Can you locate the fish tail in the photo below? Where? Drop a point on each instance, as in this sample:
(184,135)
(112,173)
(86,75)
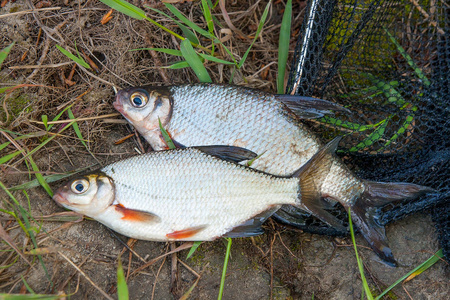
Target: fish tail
(311,176)
(363,208)
(364,212)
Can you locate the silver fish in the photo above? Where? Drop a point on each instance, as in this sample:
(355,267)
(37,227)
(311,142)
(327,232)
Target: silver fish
(191,194)
(269,125)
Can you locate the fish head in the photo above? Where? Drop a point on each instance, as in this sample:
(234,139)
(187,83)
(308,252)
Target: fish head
(89,195)
(144,107)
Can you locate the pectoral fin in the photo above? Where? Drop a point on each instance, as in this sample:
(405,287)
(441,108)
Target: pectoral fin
(136,215)
(308,107)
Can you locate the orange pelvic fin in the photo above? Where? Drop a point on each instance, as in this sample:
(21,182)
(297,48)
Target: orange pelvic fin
(136,215)
(185,233)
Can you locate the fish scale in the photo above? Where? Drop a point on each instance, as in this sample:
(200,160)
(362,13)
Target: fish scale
(190,189)
(269,125)
(191,114)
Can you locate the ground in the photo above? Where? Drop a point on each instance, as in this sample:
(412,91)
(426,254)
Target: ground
(284,263)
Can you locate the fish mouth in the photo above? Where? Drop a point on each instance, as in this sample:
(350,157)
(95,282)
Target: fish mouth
(120,98)
(60,199)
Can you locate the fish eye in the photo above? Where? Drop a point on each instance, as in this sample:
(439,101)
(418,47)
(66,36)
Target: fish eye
(138,99)
(79,186)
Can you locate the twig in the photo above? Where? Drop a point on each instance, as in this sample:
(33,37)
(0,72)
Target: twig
(79,119)
(188,268)
(30,11)
(87,277)
(180,248)
(156,278)
(227,19)
(5,236)
(96,77)
(158,63)
(271,267)
(427,16)
(41,66)
(63,285)
(42,58)
(174,271)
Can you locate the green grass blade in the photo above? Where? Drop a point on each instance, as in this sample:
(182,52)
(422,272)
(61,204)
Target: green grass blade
(40,178)
(4,53)
(76,128)
(215,59)
(416,271)
(193,26)
(208,16)
(178,65)
(166,136)
(376,135)
(409,60)
(346,124)
(360,264)
(388,90)
(4,145)
(126,8)
(193,248)
(45,120)
(283,45)
(122,288)
(194,61)
(46,141)
(33,239)
(186,21)
(4,89)
(31,297)
(78,60)
(224,270)
(58,116)
(29,289)
(49,178)
(260,26)
(188,34)
(400,131)
(8,157)
(163,50)
(17,204)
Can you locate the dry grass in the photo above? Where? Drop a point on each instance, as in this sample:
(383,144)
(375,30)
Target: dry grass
(51,82)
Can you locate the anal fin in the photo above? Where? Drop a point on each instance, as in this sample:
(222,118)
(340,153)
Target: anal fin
(252,227)
(136,215)
(185,233)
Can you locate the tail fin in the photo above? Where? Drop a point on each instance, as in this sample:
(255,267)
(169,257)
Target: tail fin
(364,212)
(311,176)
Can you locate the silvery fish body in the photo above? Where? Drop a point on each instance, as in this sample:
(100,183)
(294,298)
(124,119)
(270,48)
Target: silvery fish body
(184,194)
(207,114)
(269,125)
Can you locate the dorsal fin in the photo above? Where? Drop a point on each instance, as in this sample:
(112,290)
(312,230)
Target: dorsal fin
(229,153)
(308,107)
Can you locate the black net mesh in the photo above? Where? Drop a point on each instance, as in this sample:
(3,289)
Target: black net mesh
(388,62)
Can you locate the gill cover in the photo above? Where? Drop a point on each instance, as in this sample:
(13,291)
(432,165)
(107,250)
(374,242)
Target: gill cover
(144,106)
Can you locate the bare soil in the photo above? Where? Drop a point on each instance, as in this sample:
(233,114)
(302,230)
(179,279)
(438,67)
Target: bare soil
(281,264)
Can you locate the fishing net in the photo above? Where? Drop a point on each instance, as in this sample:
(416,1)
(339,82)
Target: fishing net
(388,62)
